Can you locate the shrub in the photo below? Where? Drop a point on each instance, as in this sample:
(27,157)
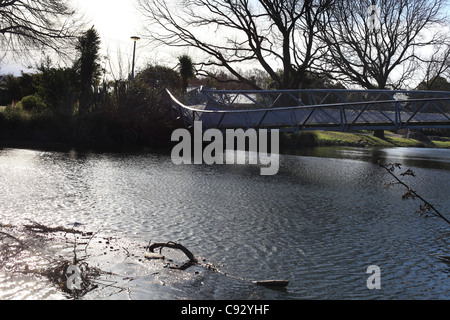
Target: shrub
(57,87)
(16,113)
(33,103)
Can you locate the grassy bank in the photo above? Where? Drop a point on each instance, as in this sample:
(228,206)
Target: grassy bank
(361,139)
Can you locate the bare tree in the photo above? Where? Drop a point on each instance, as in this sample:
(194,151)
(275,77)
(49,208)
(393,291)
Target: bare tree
(437,66)
(380,44)
(273,34)
(27,24)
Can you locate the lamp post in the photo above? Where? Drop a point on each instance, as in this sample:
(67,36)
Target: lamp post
(135,39)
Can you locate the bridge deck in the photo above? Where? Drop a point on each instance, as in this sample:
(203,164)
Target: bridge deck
(337,110)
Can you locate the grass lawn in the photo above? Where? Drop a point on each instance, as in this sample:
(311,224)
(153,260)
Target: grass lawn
(358,139)
(442,144)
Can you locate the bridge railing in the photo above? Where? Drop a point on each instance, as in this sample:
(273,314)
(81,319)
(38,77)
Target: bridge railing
(322,109)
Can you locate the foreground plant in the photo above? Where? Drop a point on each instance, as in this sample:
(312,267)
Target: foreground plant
(410,193)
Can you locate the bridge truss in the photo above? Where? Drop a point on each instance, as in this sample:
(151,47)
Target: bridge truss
(318,109)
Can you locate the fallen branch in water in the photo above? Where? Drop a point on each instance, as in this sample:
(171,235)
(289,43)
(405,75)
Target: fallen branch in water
(193,260)
(177,246)
(12,237)
(75,277)
(82,281)
(11,248)
(410,193)
(40,228)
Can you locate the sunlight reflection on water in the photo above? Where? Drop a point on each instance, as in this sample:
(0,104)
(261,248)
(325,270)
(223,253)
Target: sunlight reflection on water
(319,222)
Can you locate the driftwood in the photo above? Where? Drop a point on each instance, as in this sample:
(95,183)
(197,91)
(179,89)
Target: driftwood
(152,255)
(192,260)
(58,275)
(177,246)
(57,269)
(12,237)
(10,246)
(40,228)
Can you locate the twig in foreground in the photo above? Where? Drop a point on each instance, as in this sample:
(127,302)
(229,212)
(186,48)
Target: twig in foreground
(410,193)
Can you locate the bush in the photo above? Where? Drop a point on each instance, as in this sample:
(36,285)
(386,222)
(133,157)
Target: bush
(57,87)
(33,103)
(16,113)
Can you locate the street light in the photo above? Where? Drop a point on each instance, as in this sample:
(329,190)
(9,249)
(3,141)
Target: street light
(135,39)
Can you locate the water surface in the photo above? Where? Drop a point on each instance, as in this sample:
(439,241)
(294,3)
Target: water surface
(319,223)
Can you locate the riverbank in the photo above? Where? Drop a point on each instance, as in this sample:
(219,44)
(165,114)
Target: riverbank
(363,139)
(288,141)
(103,132)
(100,131)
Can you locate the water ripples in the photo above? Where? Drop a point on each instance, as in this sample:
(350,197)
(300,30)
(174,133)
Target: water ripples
(319,223)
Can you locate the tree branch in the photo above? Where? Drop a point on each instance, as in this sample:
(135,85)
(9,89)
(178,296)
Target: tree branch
(410,193)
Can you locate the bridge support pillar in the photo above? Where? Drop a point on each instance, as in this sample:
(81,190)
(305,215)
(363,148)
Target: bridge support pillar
(379,134)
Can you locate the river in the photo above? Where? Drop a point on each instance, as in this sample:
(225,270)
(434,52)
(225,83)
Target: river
(319,223)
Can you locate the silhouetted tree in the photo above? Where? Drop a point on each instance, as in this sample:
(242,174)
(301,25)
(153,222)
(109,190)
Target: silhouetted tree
(26,25)
(186,69)
(438,68)
(269,33)
(58,87)
(9,90)
(159,77)
(88,67)
(377,44)
(436,84)
(15,88)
